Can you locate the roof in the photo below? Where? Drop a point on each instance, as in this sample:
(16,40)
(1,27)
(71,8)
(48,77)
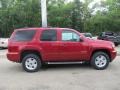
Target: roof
(43,28)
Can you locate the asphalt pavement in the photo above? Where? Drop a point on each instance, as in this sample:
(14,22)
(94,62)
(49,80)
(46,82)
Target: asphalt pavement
(59,77)
(118,50)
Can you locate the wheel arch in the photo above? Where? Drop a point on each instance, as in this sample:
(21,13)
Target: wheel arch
(101,50)
(25,52)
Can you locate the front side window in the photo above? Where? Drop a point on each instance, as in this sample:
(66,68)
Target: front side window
(70,36)
(24,35)
(49,35)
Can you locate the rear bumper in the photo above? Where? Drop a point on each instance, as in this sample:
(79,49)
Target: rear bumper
(15,57)
(113,55)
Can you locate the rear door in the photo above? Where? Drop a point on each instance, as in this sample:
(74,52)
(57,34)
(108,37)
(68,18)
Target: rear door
(49,44)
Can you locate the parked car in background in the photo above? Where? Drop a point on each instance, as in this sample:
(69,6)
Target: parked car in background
(87,35)
(34,47)
(110,36)
(3,42)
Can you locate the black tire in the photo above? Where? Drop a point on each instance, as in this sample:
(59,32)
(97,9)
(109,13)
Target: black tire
(94,61)
(37,63)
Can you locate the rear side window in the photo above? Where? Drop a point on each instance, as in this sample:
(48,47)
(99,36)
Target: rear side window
(24,35)
(49,35)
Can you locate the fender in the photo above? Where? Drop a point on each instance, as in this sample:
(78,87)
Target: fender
(31,48)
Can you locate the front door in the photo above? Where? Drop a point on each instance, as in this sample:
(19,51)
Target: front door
(71,49)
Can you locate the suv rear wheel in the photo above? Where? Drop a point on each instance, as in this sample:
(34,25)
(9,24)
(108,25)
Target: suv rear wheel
(100,60)
(31,63)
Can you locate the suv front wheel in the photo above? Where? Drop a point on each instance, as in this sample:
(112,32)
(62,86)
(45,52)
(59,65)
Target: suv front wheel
(100,60)
(31,63)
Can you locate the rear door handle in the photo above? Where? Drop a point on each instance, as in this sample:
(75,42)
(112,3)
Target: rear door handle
(63,45)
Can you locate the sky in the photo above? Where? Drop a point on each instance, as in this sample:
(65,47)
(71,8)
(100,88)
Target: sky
(94,0)
(93,3)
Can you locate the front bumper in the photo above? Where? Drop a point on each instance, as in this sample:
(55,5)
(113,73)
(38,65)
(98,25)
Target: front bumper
(113,55)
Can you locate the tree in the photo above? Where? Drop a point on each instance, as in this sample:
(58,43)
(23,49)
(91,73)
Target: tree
(19,14)
(75,14)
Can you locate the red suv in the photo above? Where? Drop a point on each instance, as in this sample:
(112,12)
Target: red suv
(34,47)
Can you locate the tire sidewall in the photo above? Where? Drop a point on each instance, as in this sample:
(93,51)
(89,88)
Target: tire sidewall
(37,60)
(94,58)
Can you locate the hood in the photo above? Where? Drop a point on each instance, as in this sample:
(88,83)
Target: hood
(99,43)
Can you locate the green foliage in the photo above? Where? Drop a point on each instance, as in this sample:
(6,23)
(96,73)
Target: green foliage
(27,13)
(19,14)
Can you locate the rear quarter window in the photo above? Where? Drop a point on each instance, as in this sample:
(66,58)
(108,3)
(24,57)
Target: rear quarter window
(24,35)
